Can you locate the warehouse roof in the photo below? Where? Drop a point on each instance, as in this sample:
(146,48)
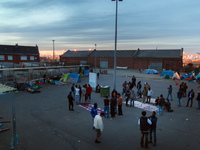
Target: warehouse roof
(19,50)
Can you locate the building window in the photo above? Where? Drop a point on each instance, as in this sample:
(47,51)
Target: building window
(23,57)
(10,57)
(31,57)
(1,57)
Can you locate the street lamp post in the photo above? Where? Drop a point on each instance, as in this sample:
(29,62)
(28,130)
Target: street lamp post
(95,56)
(53,51)
(115,43)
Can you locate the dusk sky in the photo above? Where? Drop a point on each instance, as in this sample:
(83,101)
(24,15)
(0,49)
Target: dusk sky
(80,24)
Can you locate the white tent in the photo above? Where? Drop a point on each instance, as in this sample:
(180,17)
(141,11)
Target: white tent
(176,76)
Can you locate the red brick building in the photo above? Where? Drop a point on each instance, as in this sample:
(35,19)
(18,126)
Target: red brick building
(17,54)
(134,59)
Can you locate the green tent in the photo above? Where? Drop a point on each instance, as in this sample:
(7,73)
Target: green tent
(166,76)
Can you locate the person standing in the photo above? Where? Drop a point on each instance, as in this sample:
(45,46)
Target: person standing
(128,93)
(73,91)
(113,103)
(149,94)
(80,94)
(83,90)
(119,104)
(70,100)
(161,104)
(139,86)
(94,112)
(89,91)
(77,94)
(106,106)
(98,124)
(97,75)
(198,99)
(185,87)
(179,96)
(134,81)
(190,97)
(144,94)
(144,123)
(153,119)
(132,98)
(170,92)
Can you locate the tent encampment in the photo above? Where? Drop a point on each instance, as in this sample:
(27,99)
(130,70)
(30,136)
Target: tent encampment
(170,73)
(176,76)
(166,76)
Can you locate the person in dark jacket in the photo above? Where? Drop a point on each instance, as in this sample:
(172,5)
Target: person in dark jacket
(70,100)
(139,86)
(153,119)
(185,87)
(144,123)
(167,106)
(179,96)
(134,81)
(190,97)
(169,92)
(113,103)
(198,99)
(161,103)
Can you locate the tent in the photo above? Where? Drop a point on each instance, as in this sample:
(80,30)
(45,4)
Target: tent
(187,75)
(74,78)
(170,73)
(198,76)
(166,76)
(176,76)
(150,71)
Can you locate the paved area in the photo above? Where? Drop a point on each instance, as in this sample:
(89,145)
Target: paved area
(44,122)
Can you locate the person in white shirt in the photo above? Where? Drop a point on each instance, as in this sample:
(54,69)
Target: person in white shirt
(98,124)
(149,94)
(77,94)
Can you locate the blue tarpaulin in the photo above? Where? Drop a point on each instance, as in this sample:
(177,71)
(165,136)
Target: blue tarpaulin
(170,73)
(198,76)
(73,78)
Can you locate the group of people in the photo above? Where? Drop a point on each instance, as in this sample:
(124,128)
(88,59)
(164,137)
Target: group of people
(79,94)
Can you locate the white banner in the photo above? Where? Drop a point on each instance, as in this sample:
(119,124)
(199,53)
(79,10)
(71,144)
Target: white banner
(93,80)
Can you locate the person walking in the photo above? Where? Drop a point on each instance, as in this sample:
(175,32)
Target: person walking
(144,123)
(89,92)
(153,119)
(190,97)
(170,92)
(198,99)
(70,100)
(106,106)
(94,112)
(113,103)
(120,100)
(144,94)
(98,125)
(132,98)
(149,94)
(179,96)
(161,104)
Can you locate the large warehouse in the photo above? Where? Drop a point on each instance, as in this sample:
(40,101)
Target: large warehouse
(169,59)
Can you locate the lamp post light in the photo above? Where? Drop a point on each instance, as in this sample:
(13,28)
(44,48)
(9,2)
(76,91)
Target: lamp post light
(115,43)
(95,55)
(53,51)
